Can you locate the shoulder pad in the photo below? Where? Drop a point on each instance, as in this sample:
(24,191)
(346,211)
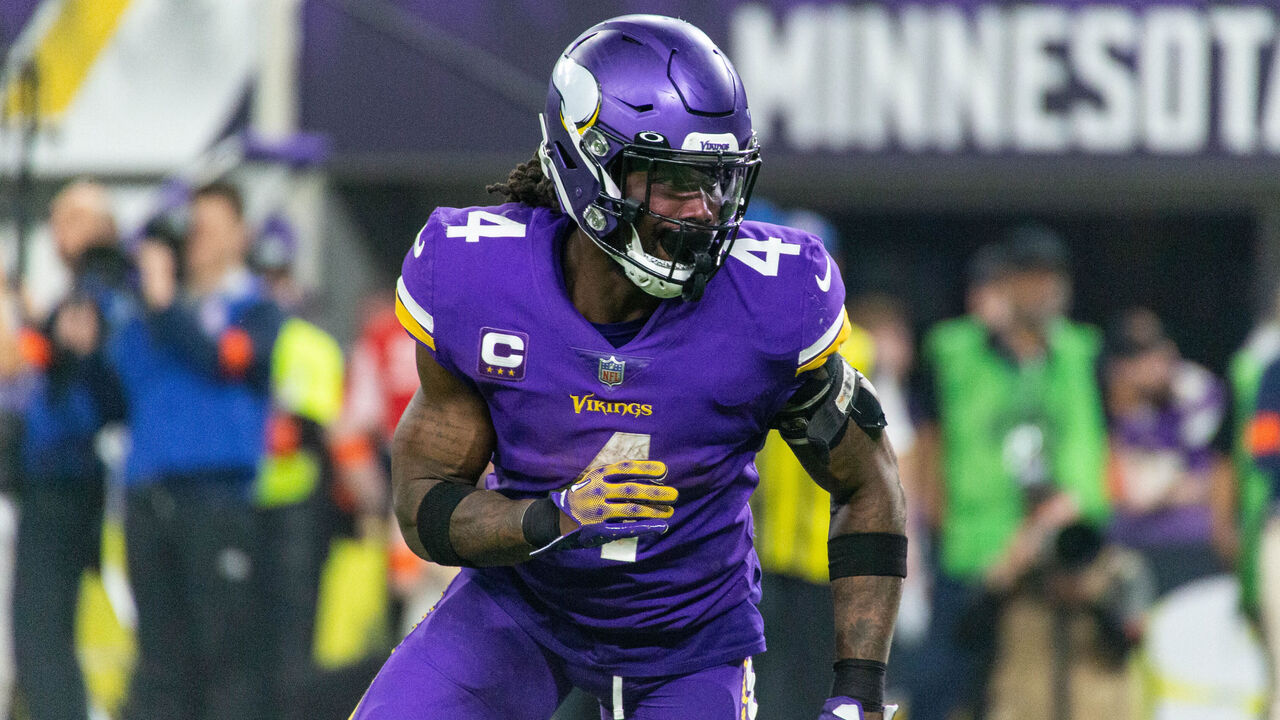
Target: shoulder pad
(788,279)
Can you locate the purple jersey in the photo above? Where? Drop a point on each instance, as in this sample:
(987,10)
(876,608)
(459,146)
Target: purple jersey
(696,389)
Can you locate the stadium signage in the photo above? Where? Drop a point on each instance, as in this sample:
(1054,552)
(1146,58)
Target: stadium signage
(1043,78)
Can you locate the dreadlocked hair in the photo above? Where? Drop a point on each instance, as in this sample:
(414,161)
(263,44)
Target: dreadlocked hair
(526,184)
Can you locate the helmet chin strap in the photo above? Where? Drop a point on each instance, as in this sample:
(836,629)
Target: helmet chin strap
(703,266)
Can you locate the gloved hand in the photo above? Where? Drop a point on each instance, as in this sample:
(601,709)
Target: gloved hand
(846,708)
(606,507)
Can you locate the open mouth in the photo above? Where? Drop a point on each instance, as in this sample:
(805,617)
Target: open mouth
(682,245)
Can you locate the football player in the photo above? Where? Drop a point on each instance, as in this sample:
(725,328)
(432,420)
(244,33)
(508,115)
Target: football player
(617,341)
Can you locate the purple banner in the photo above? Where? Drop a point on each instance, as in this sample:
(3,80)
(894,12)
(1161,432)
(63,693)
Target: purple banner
(1126,78)
(14,16)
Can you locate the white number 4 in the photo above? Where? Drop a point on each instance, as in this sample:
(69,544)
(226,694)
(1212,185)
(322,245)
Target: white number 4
(622,446)
(745,249)
(482,223)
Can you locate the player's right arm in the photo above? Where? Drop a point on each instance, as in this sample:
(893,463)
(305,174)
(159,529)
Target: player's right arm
(445,436)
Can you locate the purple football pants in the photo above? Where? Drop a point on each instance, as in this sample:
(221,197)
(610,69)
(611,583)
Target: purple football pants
(468,660)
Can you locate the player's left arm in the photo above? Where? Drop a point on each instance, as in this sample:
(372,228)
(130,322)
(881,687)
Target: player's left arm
(835,427)
(834,424)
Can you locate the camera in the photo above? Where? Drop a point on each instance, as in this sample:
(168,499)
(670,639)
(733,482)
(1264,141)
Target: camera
(169,227)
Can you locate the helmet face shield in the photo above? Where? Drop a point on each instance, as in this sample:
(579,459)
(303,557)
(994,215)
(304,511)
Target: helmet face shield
(722,182)
(697,200)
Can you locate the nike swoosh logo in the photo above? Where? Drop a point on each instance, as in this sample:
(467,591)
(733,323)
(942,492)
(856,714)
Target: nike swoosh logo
(419,243)
(824,283)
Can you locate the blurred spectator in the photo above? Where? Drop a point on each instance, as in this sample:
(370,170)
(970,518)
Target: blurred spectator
(194,360)
(365,550)
(1013,447)
(1165,416)
(1241,510)
(1263,441)
(62,478)
(292,485)
(885,319)
(272,258)
(1063,647)
(16,388)
(382,379)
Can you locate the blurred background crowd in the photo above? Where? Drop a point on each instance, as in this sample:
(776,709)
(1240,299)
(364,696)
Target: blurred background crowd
(1059,224)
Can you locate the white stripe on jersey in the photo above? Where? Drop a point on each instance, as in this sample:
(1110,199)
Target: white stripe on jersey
(422,316)
(617,699)
(823,342)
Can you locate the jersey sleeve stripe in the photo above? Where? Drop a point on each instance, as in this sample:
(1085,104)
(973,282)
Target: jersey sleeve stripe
(417,321)
(817,353)
(423,317)
(410,324)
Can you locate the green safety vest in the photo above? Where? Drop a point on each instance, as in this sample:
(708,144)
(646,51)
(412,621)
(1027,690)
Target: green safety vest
(306,380)
(997,420)
(1247,367)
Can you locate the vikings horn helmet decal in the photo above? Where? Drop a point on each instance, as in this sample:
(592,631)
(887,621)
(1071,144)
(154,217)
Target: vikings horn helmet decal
(650,94)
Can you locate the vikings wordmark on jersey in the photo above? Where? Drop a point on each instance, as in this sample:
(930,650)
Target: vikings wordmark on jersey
(696,388)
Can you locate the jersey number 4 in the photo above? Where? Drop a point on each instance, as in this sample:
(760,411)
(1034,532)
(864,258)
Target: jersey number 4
(761,255)
(484,224)
(622,446)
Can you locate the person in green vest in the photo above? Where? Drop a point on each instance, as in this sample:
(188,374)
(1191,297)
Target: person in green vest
(1255,380)
(1011,449)
(306,384)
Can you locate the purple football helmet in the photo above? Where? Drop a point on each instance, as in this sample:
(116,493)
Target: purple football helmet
(650,94)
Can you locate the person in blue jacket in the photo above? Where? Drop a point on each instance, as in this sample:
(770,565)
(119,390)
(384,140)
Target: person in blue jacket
(193,358)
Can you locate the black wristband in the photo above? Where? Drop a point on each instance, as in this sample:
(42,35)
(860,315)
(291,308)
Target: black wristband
(862,680)
(434,514)
(541,523)
(867,554)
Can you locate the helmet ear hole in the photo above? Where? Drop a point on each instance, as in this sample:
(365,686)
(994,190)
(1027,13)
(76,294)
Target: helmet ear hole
(565,157)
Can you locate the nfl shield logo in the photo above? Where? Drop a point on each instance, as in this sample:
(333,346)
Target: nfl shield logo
(611,369)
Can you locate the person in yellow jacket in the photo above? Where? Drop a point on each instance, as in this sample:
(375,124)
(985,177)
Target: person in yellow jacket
(306,385)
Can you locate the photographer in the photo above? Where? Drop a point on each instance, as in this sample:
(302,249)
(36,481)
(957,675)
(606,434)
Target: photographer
(194,363)
(1013,446)
(62,477)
